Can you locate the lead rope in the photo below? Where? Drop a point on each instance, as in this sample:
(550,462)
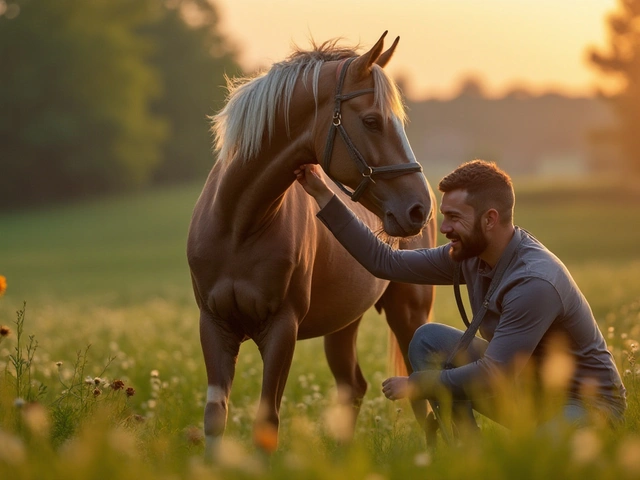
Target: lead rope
(472,328)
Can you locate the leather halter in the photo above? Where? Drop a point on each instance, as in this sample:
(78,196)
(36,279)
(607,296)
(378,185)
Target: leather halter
(368,173)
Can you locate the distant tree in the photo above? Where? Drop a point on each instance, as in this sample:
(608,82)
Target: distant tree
(75,93)
(192,57)
(471,86)
(622,62)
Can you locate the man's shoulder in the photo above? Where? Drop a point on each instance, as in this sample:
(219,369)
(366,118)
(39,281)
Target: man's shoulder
(535,260)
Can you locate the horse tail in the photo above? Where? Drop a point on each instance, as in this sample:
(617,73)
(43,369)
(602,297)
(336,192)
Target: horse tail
(396,364)
(406,308)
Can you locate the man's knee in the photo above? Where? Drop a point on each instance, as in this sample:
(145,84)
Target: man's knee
(426,346)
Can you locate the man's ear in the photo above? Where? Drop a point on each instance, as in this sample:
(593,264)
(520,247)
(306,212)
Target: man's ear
(490,219)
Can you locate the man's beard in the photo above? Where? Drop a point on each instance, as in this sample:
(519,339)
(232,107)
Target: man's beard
(470,246)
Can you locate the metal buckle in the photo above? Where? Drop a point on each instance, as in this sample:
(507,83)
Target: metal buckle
(337,117)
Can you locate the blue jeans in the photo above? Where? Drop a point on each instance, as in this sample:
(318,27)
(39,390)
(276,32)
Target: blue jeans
(430,348)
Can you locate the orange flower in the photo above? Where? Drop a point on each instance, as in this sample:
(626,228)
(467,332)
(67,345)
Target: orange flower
(3,285)
(265,436)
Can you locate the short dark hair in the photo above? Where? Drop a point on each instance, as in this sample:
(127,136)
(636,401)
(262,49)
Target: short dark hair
(487,186)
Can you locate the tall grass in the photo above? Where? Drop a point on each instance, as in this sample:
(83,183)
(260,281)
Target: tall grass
(109,308)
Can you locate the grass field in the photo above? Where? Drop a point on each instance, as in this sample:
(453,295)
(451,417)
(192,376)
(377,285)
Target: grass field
(108,297)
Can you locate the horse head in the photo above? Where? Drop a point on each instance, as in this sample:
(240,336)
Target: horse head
(366,147)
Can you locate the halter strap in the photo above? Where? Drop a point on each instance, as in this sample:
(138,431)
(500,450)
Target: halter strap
(339,69)
(367,172)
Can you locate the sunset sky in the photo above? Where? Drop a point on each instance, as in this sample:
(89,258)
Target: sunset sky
(539,44)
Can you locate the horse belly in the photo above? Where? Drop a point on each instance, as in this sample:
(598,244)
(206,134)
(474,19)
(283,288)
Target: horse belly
(339,300)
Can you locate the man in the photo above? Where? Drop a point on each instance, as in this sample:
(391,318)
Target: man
(530,309)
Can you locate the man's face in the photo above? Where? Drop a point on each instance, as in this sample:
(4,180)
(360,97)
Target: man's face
(461,226)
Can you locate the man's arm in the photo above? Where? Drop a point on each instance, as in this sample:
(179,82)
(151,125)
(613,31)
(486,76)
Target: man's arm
(424,266)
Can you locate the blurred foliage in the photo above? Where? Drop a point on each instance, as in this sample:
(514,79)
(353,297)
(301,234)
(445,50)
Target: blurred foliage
(192,59)
(622,63)
(105,95)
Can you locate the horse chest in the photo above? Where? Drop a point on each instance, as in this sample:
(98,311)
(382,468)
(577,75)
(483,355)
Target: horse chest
(253,288)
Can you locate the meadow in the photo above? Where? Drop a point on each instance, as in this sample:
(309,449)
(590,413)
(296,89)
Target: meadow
(101,373)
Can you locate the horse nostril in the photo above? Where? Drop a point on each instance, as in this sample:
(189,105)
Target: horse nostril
(418,214)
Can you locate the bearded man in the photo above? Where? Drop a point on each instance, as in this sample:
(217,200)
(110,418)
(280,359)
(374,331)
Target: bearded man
(534,322)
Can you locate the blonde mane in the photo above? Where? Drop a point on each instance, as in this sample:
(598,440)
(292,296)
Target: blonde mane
(252,101)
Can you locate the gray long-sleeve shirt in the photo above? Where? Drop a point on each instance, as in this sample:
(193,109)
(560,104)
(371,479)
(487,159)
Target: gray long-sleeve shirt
(536,299)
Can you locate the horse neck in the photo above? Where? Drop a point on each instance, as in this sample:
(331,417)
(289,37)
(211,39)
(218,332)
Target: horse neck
(252,193)
(253,190)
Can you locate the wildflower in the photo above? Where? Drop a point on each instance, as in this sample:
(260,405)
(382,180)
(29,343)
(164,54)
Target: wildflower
(232,454)
(97,381)
(265,436)
(97,392)
(58,364)
(134,419)
(130,392)
(629,454)
(117,385)
(3,285)
(4,331)
(155,373)
(122,441)
(194,435)
(18,402)
(339,419)
(586,446)
(422,459)
(37,419)
(12,449)
(88,380)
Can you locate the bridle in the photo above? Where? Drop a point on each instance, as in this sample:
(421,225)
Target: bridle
(368,173)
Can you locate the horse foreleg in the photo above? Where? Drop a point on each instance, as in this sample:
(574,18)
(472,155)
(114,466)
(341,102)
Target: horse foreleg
(342,357)
(220,349)
(276,346)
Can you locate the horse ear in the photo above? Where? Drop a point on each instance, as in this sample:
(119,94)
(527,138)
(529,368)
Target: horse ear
(386,56)
(361,66)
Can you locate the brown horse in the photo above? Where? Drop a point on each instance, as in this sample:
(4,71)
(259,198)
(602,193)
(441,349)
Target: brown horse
(262,265)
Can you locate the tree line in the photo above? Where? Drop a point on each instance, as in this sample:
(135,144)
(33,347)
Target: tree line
(106,95)
(621,62)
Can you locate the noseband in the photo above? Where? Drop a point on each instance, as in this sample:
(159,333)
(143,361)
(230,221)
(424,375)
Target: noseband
(368,173)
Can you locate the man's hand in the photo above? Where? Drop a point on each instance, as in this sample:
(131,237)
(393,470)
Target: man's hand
(396,388)
(310,177)
(422,384)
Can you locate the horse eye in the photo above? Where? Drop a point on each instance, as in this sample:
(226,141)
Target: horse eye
(372,123)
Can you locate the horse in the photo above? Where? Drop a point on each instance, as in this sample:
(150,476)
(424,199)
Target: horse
(262,265)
